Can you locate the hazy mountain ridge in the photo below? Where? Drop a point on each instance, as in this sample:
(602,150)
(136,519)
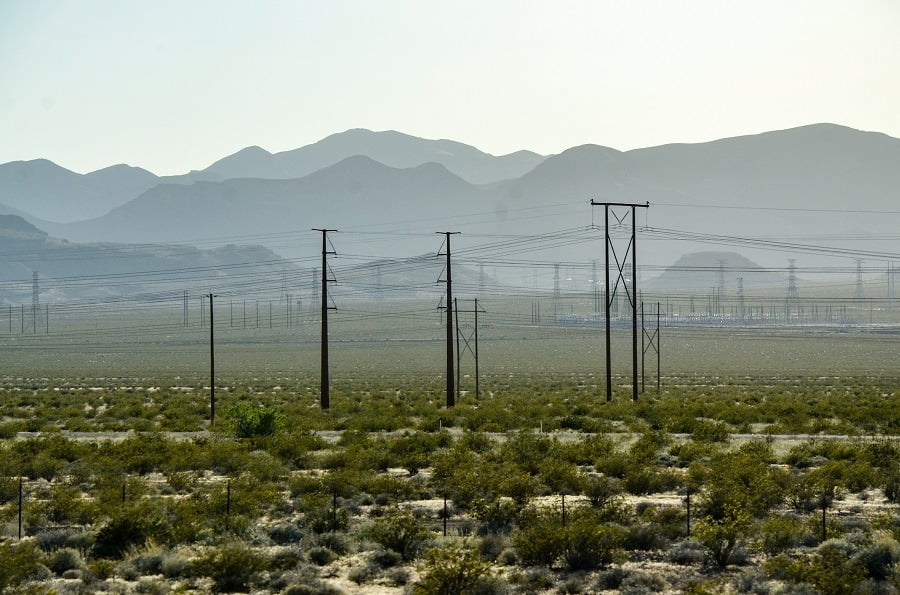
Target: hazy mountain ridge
(25,248)
(49,192)
(356,191)
(390,148)
(781,184)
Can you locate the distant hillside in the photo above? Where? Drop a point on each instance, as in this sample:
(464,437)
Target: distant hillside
(809,186)
(355,192)
(704,270)
(92,270)
(390,148)
(47,191)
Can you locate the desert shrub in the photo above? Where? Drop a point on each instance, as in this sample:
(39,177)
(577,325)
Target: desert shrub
(452,570)
(148,562)
(174,565)
(285,533)
(507,557)
(752,581)
(879,558)
(314,587)
(490,546)
(19,563)
(321,556)
(397,576)
(706,430)
(301,484)
(120,533)
(721,539)
(539,540)
(53,539)
(231,566)
(687,552)
(645,536)
(400,531)
(336,542)
(497,516)
(385,558)
(363,574)
(9,489)
(533,579)
(516,484)
(640,479)
(327,520)
(249,421)
(832,569)
(779,533)
(641,583)
(600,490)
(571,586)
(612,578)
(64,559)
(584,543)
(590,545)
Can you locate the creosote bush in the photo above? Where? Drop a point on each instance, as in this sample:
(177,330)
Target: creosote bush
(452,569)
(400,531)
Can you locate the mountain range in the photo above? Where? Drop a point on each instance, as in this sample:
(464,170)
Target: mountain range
(812,185)
(46,192)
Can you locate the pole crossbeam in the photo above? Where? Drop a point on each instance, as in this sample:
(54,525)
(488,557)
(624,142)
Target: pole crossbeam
(610,294)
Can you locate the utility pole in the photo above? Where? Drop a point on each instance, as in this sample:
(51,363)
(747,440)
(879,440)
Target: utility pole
(458,354)
(451,389)
(740,293)
(324,398)
(620,276)
(212,365)
(477,392)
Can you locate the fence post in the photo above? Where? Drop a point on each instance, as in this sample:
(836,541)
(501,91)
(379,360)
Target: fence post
(20,508)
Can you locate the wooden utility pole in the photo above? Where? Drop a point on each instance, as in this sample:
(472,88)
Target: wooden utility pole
(324,398)
(212,365)
(451,389)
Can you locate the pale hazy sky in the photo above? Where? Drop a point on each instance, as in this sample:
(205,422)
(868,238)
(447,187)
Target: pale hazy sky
(173,85)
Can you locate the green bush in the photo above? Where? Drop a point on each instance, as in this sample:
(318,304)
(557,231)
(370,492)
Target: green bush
(19,563)
(400,531)
(585,542)
(452,570)
(721,538)
(120,533)
(589,545)
(231,566)
(879,558)
(249,421)
(779,533)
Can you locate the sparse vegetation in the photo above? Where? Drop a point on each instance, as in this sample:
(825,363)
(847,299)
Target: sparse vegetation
(324,499)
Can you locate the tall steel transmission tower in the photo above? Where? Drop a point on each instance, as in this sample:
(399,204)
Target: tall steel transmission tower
(792,297)
(630,250)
